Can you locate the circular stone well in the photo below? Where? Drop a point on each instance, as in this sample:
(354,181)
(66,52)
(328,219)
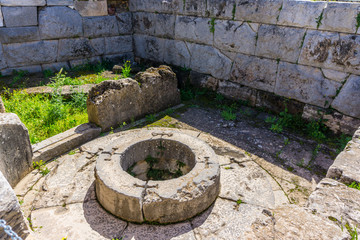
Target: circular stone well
(188,164)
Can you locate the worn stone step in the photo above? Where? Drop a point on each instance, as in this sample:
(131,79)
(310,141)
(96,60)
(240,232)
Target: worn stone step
(64,142)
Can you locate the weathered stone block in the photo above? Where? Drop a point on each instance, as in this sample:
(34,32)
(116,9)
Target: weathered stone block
(120,44)
(340,17)
(331,50)
(203,80)
(83,61)
(169,6)
(300,13)
(236,91)
(337,201)
(60,2)
(15,148)
(10,210)
(348,100)
(75,48)
(193,7)
(119,58)
(2,58)
(221,9)
(20,16)
(254,72)
(60,22)
(260,11)
(279,42)
(113,102)
(148,47)
(235,36)
(19,34)
(124,21)
(305,84)
(20,54)
(55,67)
(29,69)
(100,26)
(91,8)
(176,53)
(193,29)
(99,45)
(154,24)
(335,75)
(23,2)
(207,59)
(1,19)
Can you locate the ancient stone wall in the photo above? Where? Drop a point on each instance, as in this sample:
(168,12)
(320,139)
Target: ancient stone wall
(302,50)
(37,35)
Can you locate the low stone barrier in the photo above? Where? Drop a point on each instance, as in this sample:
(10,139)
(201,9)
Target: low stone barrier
(111,103)
(10,210)
(15,148)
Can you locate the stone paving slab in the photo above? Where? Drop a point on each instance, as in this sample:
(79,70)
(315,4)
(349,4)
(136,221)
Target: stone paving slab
(63,202)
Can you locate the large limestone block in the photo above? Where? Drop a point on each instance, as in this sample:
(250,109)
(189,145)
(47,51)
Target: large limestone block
(300,13)
(348,100)
(100,26)
(60,22)
(113,102)
(75,48)
(337,201)
(10,210)
(177,53)
(305,84)
(235,36)
(236,91)
(30,53)
(279,42)
(19,34)
(260,11)
(23,2)
(91,8)
(259,73)
(331,50)
(20,16)
(1,19)
(346,166)
(119,44)
(207,59)
(169,6)
(2,58)
(194,29)
(149,47)
(15,148)
(221,9)
(161,25)
(193,7)
(125,22)
(340,17)
(60,2)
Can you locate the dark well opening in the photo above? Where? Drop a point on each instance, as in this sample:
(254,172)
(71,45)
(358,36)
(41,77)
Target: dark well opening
(158,159)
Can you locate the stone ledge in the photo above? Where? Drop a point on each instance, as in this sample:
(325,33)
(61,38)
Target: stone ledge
(64,142)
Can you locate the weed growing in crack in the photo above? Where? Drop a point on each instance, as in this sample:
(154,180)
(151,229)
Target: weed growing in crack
(354,185)
(40,166)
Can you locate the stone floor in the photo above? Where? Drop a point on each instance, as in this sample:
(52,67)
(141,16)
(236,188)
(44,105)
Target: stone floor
(266,180)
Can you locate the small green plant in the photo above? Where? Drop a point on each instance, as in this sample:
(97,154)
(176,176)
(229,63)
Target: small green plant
(48,73)
(357,21)
(239,201)
(40,166)
(352,231)
(151,160)
(72,152)
(126,69)
(212,25)
(319,20)
(355,185)
(228,114)
(233,11)
(17,76)
(286,141)
(118,238)
(150,118)
(277,127)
